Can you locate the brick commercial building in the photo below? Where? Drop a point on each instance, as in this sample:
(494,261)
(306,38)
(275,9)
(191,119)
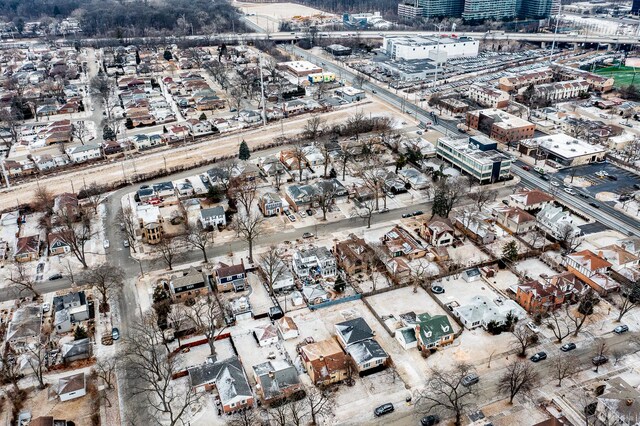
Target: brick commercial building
(499,125)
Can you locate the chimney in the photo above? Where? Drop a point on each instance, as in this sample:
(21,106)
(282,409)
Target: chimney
(600,254)
(629,402)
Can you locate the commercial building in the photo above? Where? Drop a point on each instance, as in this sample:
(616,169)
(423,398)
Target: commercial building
(480,10)
(418,69)
(488,96)
(338,50)
(321,77)
(428,47)
(477,156)
(563,150)
(300,68)
(535,9)
(500,125)
(430,8)
(635,7)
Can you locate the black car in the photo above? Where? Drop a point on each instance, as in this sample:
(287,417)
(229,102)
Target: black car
(429,420)
(383,409)
(599,360)
(310,212)
(636,186)
(568,347)
(594,204)
(612,177)
(307,235)
(55,277)
(418,212)
(406,215)
(437,289)
(539,357)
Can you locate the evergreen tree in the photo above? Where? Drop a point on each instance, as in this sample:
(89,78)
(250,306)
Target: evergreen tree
(202,117)
(108,134)
(167,55)
(137,58)
(510,251)
(244,152)
(440,205)
(79,333)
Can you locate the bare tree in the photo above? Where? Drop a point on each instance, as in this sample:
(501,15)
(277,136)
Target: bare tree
(153,369)
(560,323)
(244,191)
(76,234)
(297,412)
(79,131)
(42,200)
(445,392)
(277,415)
(586,303)
(248,227)
(326,156)
(127,220)
(630,299)
(105,369)
(481,196)
(272,266)
(235,99)
(565,366)
(22,280)
(325,197)
(167,249)
(298,154)
(319,402)
(313,127)
(107,279)
(207,317)
(523,339)
(177,316)
(519,377)
(568,237)
(103,88)
(447,193)
(93,194)
(36,358)
(365,210)
(199,238)
(244,418)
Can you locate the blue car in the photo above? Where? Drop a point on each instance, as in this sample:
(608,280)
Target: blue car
(115,333)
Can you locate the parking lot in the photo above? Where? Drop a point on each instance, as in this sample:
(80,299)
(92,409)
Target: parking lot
(623,184)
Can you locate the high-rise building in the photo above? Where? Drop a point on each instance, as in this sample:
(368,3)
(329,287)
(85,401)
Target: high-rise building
(635,7)
(535,9)
(430,8)
(479,10)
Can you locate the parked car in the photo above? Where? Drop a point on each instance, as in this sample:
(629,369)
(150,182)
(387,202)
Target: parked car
(437,289)
(310,212)
(555,183)
(568,347)
(621,329)
(599,360)
(540,356)
(470,379)
(383,210)
(46,307)
(527,168)
(115,333)
(430,420)
(390,195)
(383,409)
(418,212)
(545,177)
(302,214)
(105,244)
(291,217)
(570,191)
(406,215)
(125,243)
(533,327)
(307,235)
(55,277)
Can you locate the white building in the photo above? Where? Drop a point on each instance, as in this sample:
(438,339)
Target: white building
(567,150)
(560,90)
(428,47)
(477,156)
(488,96)
(212,217)
(314,261)
(557,223)
(482,310)
(81,153)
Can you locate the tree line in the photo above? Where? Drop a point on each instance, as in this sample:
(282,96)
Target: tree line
(139,18)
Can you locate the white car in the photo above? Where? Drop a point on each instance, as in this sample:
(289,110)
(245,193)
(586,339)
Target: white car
(533,327)
(46,307)
(570,191)
(105,244)
(555,183)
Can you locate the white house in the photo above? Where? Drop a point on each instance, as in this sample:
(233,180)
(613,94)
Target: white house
(314,261)
(266,334)
(557,222)
(72,387)
(482,310)
(197,127)
(287,328)
(81,153)
(213,216)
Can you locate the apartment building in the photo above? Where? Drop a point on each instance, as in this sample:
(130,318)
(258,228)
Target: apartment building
(500,125)
(488,96)
(525,79)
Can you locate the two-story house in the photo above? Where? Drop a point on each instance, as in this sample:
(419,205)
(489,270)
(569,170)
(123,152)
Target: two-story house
(514,219)
(69,309)
(399,242)
(82,153)
(593,270)
(325,362)
(27,248)
(357,339)
(276,380)
(188,285)
(354,256)
(315,261)
(557,223)
(431,332)
(530,199)
(230,277)
(212,217)
(437,232)
(270,204)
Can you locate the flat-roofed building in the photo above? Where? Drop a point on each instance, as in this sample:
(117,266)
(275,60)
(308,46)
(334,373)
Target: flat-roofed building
(488,96)
(477,156)
(500,125)
(424,47)
(563,149)
(300,68)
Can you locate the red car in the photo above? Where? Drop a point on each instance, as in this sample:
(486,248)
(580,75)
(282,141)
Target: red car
(527,168)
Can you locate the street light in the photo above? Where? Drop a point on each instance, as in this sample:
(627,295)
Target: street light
(139,264)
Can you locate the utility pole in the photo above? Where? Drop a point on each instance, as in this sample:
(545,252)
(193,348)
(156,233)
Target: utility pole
(435,77)
(264,115)
(555,34)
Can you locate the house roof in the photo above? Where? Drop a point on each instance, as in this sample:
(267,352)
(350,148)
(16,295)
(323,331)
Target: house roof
(266,332)
(275,376)
(227,375)
(26,322)
(286,324)
(216,211)
(354,330)
(365,351)
(224,270)
(434,328)
(617,255)
(75,348)
(589,260)
(622,399)
(399,239)
(515,214)
(192,277)
(29,244)
(325,357)
(71,383)
(531,197)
